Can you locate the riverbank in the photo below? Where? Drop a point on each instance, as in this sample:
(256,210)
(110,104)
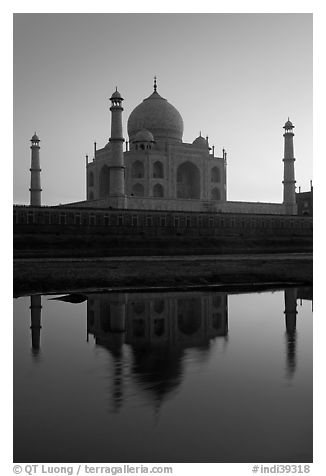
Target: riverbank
(59,275)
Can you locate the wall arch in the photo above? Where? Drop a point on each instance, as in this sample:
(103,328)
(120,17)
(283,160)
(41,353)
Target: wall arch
(216,194)
(138,327)
(138,307)
(189,316)
(158,190)
(138,190)
(91,179)
(159,306)
(216,175)
(188,181)
(104,182)
(137,169)
(105,317)
(217,320)
(159,327)
(158,171)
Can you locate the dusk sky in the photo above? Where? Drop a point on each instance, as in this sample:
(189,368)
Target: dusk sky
(234,77)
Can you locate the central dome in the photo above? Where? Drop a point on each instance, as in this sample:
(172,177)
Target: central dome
(158,116)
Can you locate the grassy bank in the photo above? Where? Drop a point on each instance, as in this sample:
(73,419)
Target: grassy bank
(50,275)
(58,245)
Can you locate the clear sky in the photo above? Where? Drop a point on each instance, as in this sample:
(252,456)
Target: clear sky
(234,77)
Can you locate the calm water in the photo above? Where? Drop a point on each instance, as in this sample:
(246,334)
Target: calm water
(164,377)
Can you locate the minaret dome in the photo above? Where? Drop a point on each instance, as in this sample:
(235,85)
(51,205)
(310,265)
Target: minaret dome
(35,188)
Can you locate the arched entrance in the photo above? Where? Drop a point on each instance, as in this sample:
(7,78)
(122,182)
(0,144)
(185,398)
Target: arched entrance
(138,190)
(105,317)
(216,194)
(104,182)
(188,181)
(216,175)
(158,190)
(158,169)
(137,170)
(189,315)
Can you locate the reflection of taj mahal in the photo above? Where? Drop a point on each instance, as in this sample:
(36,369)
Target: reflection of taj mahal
(178,320)
(151,333)
(157,330)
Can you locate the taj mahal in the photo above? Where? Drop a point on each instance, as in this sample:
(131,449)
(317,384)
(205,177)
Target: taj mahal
(156,170)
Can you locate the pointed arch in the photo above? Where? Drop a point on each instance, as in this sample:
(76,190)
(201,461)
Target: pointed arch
(105,316)
(104,182)
(158,169)
(216,175)
(216,194)
(159,306)
(188,181)
(217,320)
(158,190)
(159,326)
(137,169)
(138,190)
(189,316)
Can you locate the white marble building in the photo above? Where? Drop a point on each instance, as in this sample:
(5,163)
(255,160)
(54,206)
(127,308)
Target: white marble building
(156,170)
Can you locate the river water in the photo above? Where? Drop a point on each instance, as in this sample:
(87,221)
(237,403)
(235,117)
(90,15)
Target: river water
(191,376)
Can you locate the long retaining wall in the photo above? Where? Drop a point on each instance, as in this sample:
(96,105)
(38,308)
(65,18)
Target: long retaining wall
(72,231)
(154,222)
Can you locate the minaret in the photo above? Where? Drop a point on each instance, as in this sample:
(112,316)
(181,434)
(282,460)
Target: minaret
(117,169)
(36,309)
(117,340)
(224,174)
(35,190)
(289,201)
(290,301)
(86,157)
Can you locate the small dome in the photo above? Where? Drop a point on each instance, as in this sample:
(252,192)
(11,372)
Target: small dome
(144,136)
(35,138)
(157,115)
(288,125)
(200,142)
(116,95)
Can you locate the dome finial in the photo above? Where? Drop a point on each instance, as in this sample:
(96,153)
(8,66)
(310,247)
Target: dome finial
(155,85)
(35,138)
(288,125)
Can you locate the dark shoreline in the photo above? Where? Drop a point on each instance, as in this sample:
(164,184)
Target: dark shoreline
(32,276)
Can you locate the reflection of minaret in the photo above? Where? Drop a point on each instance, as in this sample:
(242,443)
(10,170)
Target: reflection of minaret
(35,308)
(117,328)
(290,300)
(117,383)
(109,331)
